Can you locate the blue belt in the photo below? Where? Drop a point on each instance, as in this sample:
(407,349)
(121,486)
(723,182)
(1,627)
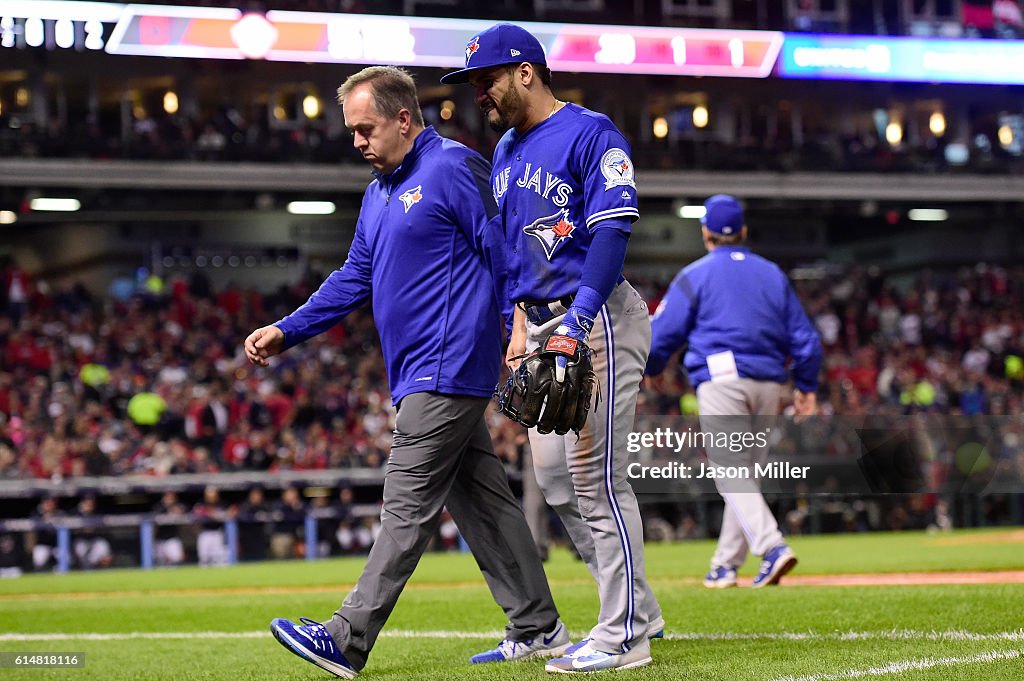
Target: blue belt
(541,313)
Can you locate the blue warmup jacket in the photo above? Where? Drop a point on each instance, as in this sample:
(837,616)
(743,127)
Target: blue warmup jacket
(424,249)
(732,299)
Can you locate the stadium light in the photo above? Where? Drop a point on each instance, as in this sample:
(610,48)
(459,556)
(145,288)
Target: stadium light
(937,124)
(692,212)
(447,110)
(310,207)
(660,127)
(8,217)
(700,116)
(311,106)
(928,214)
(893,133)
(55,205)
(1005,135)
(171,102)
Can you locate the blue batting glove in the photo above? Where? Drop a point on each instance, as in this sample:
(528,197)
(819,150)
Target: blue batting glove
(576,324)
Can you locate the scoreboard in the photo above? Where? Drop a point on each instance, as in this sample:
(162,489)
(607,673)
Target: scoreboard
(228,33)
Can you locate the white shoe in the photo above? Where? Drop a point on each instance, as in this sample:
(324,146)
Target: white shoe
(585,659)
(721,577)
(553,642)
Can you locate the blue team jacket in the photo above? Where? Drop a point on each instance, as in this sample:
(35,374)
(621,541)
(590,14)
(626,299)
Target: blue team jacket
(732,299)
(424,249)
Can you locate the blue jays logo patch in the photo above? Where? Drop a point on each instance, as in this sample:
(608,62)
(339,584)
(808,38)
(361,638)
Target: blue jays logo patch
(551,231)
(617,169)
(471,48)
(411,197)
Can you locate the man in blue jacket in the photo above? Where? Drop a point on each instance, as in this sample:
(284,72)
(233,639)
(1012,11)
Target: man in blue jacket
(422,250)
(740,321)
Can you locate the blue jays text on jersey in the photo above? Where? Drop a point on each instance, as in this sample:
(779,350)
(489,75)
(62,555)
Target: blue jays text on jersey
(556,184)
(426,260)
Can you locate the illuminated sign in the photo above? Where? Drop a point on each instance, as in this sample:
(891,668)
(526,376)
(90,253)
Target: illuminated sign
(902,59)
(421,41)
(227,33)
(57,25)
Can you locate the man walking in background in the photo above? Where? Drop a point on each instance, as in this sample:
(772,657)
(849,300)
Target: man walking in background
(565,188)
(741,321)
(421,249)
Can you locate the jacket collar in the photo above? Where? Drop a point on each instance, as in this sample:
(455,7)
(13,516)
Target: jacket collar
(426,139)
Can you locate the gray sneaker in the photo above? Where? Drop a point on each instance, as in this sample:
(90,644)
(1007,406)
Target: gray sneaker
(548,644)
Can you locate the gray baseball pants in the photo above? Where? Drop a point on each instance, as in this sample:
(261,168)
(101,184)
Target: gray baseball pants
(748,523)
(442,455)
(585,480)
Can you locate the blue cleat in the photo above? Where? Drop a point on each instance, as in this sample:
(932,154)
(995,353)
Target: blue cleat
(776,563)
(311,642)
(720,577)
(554,642)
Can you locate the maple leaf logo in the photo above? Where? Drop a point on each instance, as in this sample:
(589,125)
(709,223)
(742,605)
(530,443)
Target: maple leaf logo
(563,228)
(471,48)
(551,231)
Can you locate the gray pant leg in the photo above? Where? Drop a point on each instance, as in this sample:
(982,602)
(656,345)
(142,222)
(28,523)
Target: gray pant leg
(728,406)
(432,433)
(597,467)
(555,482)
(552,473)
(492,523)
(732,543)
(535,508)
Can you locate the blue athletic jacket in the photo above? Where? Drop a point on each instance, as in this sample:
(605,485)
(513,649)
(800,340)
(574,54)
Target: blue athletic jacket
(734,300)
(424,249)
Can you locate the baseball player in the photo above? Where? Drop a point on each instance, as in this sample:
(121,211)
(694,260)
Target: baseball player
(420,248)
(741,321)
(566,193)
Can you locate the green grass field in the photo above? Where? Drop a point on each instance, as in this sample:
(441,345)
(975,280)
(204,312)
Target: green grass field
(150,625)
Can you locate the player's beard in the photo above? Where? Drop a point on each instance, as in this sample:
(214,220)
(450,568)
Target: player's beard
(506,108)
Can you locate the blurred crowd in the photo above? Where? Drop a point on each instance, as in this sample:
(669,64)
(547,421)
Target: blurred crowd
(149,380)
(947,342)
(231,135)
(153,382)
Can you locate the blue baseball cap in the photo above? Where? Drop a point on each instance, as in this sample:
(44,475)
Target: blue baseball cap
(500,44)
(723,215)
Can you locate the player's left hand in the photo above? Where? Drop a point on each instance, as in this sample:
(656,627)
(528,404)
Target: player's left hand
(575,325)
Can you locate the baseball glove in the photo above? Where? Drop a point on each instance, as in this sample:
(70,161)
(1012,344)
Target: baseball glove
(552,388)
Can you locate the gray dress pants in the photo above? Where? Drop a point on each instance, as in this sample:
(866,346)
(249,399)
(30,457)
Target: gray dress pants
(442,455)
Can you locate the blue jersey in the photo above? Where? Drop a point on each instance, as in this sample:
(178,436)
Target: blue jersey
(422,249)
(732,300)
(556,185)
